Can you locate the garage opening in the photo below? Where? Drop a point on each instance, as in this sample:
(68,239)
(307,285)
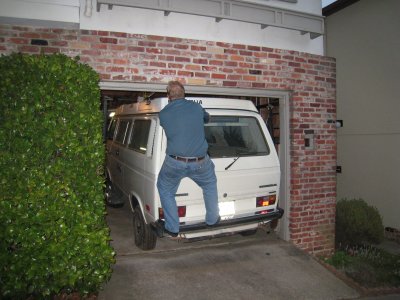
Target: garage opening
(272,105)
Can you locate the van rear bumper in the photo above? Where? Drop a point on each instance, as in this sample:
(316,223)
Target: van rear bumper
(237,222)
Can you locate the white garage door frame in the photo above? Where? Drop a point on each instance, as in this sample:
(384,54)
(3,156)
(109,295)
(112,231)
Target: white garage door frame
(284,153)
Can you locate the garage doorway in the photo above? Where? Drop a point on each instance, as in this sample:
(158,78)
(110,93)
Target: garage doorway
(272,105)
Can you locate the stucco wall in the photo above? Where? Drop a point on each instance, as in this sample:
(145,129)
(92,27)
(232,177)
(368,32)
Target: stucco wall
(364,39)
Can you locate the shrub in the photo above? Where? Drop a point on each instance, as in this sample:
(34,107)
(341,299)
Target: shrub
(53,234)
(357,223)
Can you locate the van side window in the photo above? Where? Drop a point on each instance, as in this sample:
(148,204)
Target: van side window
(140,135)
(229,136)
(111,129)
(122,131)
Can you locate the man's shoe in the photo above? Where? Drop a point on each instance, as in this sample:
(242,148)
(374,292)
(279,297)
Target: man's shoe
(170,233)
(215,224)
(161,230)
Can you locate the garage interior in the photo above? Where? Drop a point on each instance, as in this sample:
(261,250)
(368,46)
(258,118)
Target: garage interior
(273,108)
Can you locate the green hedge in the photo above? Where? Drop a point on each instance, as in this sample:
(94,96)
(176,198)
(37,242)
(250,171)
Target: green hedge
(357,223)
(53,234)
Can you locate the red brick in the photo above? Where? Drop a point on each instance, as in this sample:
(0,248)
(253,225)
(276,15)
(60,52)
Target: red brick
(175,66)
(185,73)
(154,50)
(234,77)
(181,46)
(200,61)
(158,64)
(226,70)
(29,49)
(165,45)
(19,41)
(136,49)
(202,74)
(231,51)
(215,62)
(218,76)
(209,68)
(119,61)
(30,35)
(238,46)
(119,34)
(173,39)
(147,44)
(273,55)
(115,69)
(237,57)
(121,48)
(198,48)
(182,59)
(50,50)
(254,48)
(166,57)
(168,72)
(245,53)
(231,63)
(58,43)
(229,83)
(224,45)
(193,67)
(155,37)
(108,40)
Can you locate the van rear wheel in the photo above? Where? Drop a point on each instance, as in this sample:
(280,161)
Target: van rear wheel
(145,238)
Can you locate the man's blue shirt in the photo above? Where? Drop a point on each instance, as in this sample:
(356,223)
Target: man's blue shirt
(183,123)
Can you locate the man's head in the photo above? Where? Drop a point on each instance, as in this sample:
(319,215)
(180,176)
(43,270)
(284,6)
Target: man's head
(175,90)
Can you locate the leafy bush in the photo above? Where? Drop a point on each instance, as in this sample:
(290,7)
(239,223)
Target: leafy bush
(357,223)
(53,234)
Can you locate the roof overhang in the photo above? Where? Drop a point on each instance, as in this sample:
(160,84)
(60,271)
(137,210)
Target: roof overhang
(231,10)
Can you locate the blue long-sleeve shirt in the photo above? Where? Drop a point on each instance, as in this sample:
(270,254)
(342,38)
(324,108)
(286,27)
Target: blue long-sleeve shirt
(183,123)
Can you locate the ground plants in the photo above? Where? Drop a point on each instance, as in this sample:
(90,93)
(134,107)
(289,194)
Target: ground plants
(53,235)
(359,229)
(369,266)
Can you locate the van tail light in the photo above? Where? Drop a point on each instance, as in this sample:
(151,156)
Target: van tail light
(181,212)
(265,200)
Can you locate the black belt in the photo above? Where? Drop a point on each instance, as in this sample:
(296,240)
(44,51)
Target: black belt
(187,159)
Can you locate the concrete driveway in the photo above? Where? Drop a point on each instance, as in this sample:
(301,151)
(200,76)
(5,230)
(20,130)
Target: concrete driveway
(256,267)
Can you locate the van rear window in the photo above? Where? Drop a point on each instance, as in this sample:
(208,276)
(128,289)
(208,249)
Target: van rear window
(229,136)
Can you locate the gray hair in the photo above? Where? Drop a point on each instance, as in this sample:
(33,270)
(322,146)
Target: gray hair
(175,90)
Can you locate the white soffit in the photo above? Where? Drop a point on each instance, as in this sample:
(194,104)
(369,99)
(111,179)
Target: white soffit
(231,10)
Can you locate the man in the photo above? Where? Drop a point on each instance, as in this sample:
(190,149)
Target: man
(186,156)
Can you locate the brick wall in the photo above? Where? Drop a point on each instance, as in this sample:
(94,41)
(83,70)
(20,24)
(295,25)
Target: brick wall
(311,80)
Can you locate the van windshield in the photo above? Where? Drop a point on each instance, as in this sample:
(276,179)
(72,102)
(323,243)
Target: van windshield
(233,136)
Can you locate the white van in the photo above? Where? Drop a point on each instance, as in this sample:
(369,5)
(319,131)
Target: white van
(246,165)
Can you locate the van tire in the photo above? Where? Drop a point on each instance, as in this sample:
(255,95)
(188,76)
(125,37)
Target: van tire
(145,237)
